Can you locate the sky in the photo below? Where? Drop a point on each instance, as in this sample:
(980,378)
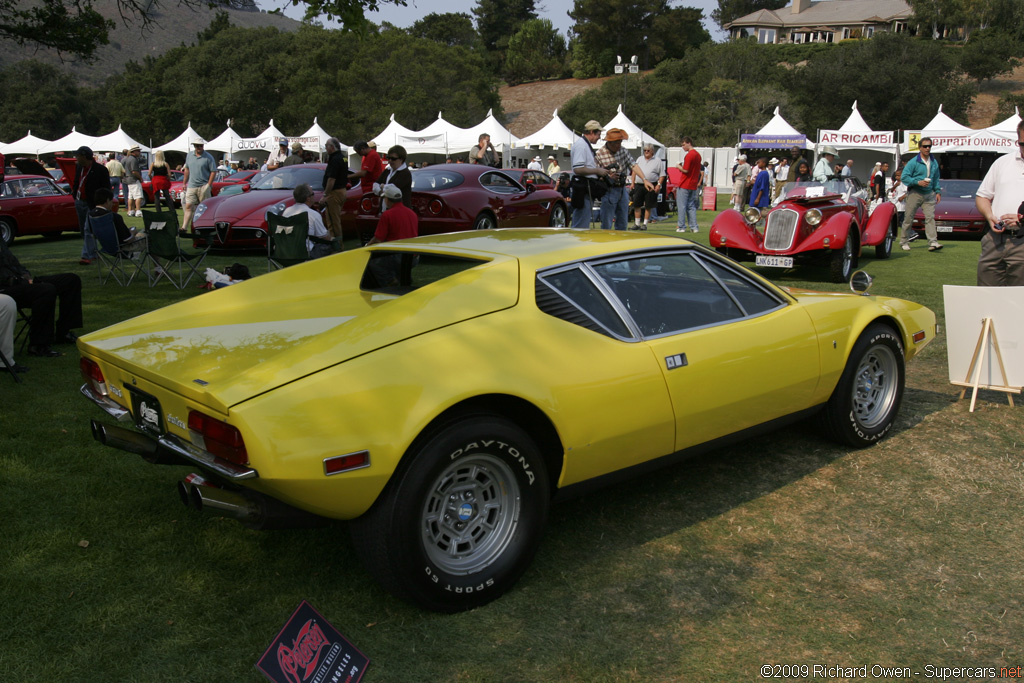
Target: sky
(554,10)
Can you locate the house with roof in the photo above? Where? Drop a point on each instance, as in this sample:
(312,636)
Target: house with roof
(825,21)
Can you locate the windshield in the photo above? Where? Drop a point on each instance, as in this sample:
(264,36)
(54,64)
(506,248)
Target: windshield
(815,189)
(289,177)
(239,176)
(962,189)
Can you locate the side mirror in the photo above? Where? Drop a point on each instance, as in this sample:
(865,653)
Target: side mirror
(860,282)
(530,188)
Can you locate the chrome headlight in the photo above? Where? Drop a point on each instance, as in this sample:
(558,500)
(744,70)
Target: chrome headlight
(752,215)
(200,210)
(813,217)
(277,208)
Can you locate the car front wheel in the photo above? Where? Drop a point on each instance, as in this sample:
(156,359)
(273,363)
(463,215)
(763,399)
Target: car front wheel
(558,216)
(843,260)
(864,405)
(460,524)
(7,231)
(883,250)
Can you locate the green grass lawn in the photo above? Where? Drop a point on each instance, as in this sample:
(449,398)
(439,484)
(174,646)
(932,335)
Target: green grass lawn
(781,550)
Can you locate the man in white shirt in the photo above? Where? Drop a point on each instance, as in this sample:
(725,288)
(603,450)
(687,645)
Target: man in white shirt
(303,195)
(584,165)
(277,158)
(825,168)
(536,165)
(999,199)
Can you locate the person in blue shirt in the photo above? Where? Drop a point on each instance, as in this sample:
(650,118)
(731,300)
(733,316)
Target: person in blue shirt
(761,192)
(921,176)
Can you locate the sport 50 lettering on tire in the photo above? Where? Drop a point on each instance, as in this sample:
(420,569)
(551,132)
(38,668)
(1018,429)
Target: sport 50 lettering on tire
(864,405)
(461,522)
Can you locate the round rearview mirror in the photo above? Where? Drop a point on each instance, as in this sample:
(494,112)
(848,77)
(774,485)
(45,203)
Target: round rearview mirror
(860,282)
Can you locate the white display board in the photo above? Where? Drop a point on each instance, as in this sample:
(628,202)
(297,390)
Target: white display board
(966,310)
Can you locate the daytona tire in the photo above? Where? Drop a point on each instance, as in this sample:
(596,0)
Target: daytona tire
(864,404)
(459,525)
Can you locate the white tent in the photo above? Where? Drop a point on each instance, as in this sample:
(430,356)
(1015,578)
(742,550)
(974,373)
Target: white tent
(555,134)
(856,141)
(29,144)
(413,141)
(267,141)
(68,143)
(1008,125)
(116,142)
(776,134)
(501,137)
(316,137)
(637,137)
(949,136)
(182,143)
(225,142)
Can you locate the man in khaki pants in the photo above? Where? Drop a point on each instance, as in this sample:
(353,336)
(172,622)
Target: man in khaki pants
(335,188)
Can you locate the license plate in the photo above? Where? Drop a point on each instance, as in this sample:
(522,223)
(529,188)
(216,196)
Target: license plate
(774,261)
(148,416)
(943,228)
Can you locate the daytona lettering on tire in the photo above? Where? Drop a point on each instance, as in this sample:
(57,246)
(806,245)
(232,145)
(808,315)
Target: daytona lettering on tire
(461,521)
(864,405)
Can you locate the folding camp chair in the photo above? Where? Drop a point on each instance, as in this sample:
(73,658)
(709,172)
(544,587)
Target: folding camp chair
(9,366)
(163,249)
(286,240)
(120,261)
(25,320)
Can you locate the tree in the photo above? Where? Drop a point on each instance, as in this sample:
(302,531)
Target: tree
(40,98)
(730,10)
(536,51)
(990,53)
(939,14)
(649,29)
(449,29)
(77,28)
(497,21)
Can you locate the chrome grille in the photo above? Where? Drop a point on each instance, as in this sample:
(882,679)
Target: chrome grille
(781,229)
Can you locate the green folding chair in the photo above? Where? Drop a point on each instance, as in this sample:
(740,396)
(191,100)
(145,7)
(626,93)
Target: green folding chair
(163,248)
(286,240)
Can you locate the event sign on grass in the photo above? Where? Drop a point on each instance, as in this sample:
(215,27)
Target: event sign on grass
(309,650)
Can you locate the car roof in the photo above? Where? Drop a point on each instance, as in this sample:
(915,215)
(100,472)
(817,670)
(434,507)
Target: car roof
(537,248)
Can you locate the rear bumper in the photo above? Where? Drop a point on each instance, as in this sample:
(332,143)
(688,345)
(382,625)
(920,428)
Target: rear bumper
(163,450)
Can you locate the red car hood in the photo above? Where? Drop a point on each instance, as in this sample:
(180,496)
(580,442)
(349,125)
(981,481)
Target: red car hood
(249,208)
(956,207)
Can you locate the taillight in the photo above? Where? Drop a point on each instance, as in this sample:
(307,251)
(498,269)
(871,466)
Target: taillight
(217,437)
(367,204)
(93,376)
(435,207)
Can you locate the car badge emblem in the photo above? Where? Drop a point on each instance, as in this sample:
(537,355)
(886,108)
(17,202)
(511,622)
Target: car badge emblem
(465,512)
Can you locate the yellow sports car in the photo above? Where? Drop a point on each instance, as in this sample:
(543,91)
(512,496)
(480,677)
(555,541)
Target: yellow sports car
(440,392)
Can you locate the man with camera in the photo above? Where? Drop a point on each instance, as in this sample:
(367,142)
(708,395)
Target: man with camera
(484,152)
(619,164)
(587,183)
(999,200)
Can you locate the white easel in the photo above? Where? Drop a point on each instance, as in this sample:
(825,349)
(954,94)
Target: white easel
(988,331)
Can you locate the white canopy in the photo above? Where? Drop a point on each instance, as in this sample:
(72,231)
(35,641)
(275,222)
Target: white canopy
(637,137)
(116,142)
(1008,125)
(316,137)
(225,142)
(857,142)
(776,134)
(68,143)
(949,136)
(182,143)
(415,142)
(501,137)
(267,141)
(555,135)
(29,144)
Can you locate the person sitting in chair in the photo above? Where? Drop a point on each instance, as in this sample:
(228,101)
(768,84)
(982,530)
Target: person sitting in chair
(8,316)
(104,206)
(41,295)
(303,195)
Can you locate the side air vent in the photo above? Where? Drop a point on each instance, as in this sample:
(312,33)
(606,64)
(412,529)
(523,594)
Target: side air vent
(554,304)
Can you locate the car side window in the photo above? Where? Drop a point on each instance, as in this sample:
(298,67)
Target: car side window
(571,295)
(9,190)
(38,188)
(750,297)
(498,182)
(667,294)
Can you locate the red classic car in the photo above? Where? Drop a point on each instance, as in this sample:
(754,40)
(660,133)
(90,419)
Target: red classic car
(956,214)
(32,203)
(525,176)
(818,223)
(453,197)
(240,220)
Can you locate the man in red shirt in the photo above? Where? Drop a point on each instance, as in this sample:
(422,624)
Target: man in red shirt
(686,193)
(370,168)
(397,222)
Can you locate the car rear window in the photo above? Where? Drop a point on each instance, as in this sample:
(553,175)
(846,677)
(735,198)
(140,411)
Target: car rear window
(289,177)
(395,272)
(427,180)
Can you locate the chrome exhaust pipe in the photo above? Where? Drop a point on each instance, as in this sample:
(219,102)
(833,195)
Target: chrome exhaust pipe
(221,502)
(124,439)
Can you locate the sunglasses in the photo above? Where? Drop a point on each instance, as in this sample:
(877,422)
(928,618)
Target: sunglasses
(925,147)
(1020,143)
(394,158)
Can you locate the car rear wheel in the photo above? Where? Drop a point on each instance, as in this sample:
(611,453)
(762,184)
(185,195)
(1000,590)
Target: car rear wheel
(459,525)
(864,405)
(843,259)
(485,221)
(558,216)
(7,231)
(883,250)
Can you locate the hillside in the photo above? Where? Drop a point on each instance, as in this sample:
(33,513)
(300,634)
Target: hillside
(983,112)
(175,24)
(528,107)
